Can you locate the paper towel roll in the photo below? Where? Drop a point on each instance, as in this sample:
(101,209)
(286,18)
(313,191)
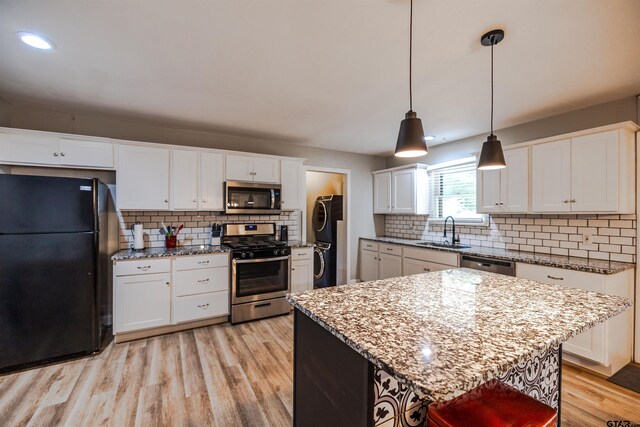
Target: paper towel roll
(138,237)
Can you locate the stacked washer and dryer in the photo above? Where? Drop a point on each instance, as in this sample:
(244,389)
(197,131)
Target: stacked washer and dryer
(326,214)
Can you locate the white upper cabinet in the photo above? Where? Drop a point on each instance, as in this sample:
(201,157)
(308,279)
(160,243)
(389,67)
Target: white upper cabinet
(587,173)
(45,148)
(505,190)
(551,176)
(249,168)
(142,178)
(293,184)
(211,182)
(382,193)
(184,180)
(401,190)
(594,172)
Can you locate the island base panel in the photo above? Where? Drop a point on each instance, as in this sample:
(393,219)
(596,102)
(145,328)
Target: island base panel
(333,385)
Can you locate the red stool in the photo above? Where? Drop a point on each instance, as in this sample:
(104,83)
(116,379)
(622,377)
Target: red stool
(493,404)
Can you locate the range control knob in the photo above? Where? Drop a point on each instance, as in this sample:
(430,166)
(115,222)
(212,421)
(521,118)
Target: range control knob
(250,254)
(243,255)
(275,252)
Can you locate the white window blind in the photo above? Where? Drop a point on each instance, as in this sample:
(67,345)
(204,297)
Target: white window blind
(453,192)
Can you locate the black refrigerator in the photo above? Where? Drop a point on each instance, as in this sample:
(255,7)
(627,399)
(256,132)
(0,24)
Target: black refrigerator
(54,269)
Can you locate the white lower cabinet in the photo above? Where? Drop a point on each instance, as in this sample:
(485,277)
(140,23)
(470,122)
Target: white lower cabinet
(152,293)
(301,269)
(605,348)
(368,265)
(379,261)
(141,300)
(415,266)
(390,266)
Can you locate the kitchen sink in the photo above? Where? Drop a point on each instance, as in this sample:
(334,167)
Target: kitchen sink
(443,245)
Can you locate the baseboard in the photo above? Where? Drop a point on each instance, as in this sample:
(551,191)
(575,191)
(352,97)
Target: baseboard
(136,335)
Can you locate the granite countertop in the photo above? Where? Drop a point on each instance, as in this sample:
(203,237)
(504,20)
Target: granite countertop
(570,263)
(446,332)
(164,252)
(300,244)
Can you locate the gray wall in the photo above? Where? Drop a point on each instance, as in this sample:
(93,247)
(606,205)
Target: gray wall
(363,222)
(584,118)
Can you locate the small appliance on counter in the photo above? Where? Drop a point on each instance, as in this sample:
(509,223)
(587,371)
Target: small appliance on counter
(216,235)
(284,233)
(137,230)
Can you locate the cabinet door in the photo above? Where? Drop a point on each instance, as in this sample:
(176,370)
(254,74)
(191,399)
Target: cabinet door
(382,193)
(266,170)
(368,265)
(390,266)
(211,182)
(551,176)
(488,191)
(29,147)
(84,153)
(514,181)
(403,191)
(142,178)
(292,182)
(594,172)
(301,275)
(184,180)
(141,302)
(239,168)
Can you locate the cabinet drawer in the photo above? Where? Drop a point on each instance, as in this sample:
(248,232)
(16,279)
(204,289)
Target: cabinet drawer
(201,261)
(145,266)
(369,245)
(560,276)
(439,257)
(386,248)
(201,306)
(414,266)
(301,253)
(190,282)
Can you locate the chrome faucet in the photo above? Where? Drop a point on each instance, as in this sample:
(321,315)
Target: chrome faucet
(454,240)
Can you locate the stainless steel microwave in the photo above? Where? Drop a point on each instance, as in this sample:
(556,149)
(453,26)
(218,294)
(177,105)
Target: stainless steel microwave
(252,198)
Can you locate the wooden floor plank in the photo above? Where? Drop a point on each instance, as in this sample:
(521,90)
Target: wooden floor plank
(223,375)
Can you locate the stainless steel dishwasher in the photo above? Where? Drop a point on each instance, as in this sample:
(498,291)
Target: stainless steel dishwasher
(491,265)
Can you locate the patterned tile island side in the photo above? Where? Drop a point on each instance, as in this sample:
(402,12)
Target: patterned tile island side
(127,254)
(587,265)
(446,332)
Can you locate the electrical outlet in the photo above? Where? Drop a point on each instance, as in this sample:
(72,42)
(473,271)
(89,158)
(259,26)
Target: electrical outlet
(586,238)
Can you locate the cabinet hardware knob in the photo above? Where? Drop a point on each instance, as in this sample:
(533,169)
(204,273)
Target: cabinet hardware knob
(555,278)
(427,269)
(573,200)
(501,203)
(497,203)
(55,154)
(204,200)
(167,283)
(62,154)
(195,200)
(293,269)
(565,201)
(166,200)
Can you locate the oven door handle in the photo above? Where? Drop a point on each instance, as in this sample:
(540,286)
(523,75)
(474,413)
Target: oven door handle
(251,261)
(273,198)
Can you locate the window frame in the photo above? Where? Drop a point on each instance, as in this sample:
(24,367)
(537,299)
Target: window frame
(483,221)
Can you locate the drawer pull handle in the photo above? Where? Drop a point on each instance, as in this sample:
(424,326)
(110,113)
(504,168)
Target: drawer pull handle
(427,269)
(390,249)
(203,281)
(203,262)
(555,278)
(264,304)
(144,267)
(204,306)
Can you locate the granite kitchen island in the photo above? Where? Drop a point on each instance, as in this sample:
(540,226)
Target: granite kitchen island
(377,353)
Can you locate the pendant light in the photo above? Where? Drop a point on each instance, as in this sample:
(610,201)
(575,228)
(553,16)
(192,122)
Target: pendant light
(411,141)
(491,156)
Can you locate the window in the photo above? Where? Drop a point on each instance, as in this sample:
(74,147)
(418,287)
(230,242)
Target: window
(453,192)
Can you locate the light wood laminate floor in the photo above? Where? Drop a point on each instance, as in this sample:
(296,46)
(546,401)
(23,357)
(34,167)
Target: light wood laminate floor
(220,375)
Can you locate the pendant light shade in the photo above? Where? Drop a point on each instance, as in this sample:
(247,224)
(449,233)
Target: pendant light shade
(411,137)
(491,156)
(411,141)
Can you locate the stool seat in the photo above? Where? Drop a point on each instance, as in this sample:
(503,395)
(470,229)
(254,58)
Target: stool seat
(493,404)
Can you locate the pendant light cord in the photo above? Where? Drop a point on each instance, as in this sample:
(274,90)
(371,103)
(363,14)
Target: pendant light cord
(410,55)
(492,44)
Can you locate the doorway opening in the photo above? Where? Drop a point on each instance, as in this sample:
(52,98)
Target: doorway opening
(326,224)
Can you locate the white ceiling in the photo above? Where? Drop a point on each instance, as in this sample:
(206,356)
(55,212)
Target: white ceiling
(326,73)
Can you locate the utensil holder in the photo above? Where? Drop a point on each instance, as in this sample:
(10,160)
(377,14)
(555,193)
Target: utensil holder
(171,242)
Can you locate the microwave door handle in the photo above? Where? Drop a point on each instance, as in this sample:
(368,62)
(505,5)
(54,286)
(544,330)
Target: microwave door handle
(273,198)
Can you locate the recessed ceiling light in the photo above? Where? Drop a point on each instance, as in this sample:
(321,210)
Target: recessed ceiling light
(35,40)
(429,137)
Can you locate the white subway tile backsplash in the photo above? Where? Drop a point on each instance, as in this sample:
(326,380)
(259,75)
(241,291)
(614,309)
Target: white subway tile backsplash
(613,237)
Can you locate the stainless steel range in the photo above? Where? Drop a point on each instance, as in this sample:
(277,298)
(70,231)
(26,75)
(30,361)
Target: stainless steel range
(260,271)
